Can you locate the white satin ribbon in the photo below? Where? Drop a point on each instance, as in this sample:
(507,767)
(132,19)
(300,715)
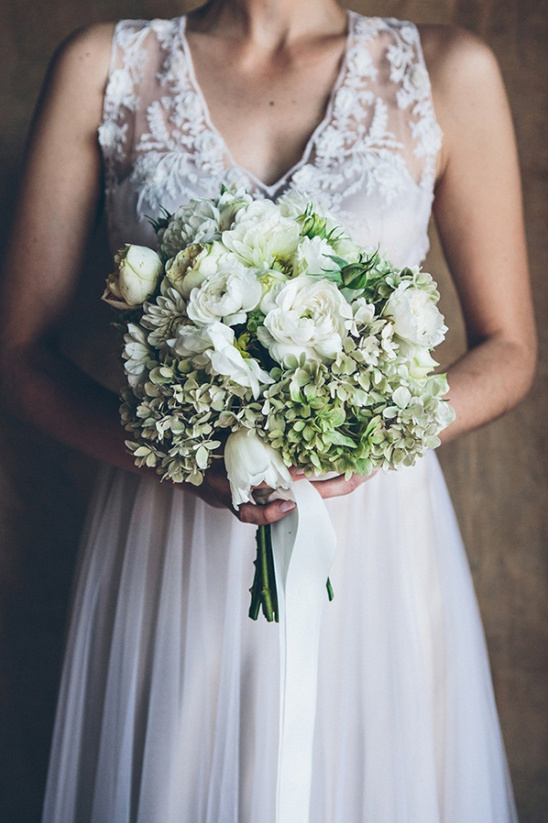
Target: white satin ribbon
(303,544)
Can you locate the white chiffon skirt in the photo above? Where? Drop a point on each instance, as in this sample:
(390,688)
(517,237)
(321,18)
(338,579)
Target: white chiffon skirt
(168,708)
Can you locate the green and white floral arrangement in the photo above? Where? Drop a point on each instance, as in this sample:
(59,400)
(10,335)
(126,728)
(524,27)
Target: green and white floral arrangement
(262,334)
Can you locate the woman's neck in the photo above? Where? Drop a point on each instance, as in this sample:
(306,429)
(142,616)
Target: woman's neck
(272,24)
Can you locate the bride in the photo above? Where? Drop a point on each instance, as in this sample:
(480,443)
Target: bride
(167,711)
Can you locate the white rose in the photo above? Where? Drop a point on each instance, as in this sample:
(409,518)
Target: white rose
(250,461)
(314,256)
(139,269)
(311,318)
(227,360)
(226,295)
(261,236)
(416,317)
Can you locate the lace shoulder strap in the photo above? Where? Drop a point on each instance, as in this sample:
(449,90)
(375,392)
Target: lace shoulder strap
(407,79)
(138,60)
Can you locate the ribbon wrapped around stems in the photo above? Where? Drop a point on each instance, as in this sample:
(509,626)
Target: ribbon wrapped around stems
(303,546)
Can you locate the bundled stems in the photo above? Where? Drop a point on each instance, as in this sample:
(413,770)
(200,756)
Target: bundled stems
(264,594)
(263,591)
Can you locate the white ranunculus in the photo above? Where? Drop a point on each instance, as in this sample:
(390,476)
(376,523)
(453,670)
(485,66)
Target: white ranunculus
(226,295)
(416,317)
(139,269)
(261,237)
(311,318)
(227,360)
(249,462)
(314,256)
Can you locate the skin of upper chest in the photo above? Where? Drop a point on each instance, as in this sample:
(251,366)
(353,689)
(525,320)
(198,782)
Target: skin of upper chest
(266,106)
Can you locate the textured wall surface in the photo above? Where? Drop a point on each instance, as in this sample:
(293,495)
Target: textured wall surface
(498,476)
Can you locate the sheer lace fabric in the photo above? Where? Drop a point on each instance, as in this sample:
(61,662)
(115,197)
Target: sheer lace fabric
(168,706)
(371,161)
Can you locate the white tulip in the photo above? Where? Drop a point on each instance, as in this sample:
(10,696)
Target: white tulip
(227,360)
(249,462)
(139,269)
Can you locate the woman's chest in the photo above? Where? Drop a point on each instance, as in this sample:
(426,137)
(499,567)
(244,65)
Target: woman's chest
(266,108)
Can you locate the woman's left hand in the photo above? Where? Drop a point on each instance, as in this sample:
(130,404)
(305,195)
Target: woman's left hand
(338,486)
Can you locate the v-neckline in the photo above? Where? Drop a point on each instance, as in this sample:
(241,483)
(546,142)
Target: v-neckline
(272,187)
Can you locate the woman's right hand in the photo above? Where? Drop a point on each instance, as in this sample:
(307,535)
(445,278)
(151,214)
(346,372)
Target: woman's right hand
(215,490)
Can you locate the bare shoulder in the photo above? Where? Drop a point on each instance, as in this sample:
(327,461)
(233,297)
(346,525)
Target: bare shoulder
(78,71)
(89,46)
(455,55)
(467,86)
(463,69)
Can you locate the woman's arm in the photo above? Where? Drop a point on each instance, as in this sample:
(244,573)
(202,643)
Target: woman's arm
(57,206)
(478,212)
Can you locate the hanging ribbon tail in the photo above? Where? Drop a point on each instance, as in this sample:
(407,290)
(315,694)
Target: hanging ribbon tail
(303,545)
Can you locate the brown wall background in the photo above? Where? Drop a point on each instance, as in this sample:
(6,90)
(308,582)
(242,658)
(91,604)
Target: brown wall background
(498,476)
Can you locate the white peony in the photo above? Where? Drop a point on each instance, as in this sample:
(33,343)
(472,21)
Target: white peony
(261,236)
(226,295)
(249,462)
(416,317)
(136,277)
(311,318)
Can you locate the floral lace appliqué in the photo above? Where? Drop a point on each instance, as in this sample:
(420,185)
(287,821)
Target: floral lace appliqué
(379,137)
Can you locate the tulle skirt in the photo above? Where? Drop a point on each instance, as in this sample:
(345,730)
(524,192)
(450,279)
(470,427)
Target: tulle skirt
(168,708)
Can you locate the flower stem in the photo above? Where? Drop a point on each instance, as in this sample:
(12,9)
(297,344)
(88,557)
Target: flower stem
(263,590)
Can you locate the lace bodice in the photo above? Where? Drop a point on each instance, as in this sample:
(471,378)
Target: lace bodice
(371,161)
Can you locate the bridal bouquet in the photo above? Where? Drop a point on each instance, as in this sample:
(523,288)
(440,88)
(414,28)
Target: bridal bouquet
(262,334)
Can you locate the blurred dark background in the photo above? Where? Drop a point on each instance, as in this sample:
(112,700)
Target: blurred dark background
(497,476)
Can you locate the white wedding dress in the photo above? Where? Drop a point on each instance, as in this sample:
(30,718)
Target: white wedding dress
(168,708)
